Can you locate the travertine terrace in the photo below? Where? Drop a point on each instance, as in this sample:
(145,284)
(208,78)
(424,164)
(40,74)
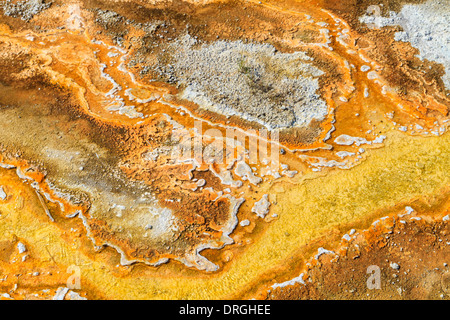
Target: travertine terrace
(224,149)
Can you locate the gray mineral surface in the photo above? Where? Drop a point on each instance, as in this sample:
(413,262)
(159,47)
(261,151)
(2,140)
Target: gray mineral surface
(253,81)
(26,10)
(426,26)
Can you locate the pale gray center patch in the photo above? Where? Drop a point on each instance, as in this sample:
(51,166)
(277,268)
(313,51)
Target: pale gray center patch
(426,26)
(252,81)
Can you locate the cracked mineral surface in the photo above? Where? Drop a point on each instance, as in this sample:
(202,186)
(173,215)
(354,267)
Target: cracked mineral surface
(224,149)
